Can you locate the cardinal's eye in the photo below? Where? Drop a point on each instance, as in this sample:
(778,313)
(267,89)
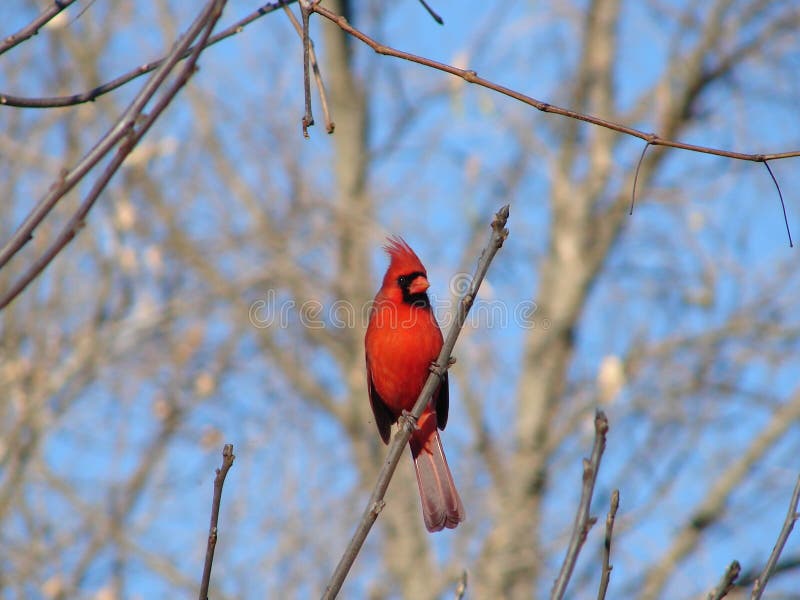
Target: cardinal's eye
(403,281)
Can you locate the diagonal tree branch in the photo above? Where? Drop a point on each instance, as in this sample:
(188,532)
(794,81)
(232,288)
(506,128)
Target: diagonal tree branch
(34,26)
(110,86)
(791,517)
(124,131)
(376,502)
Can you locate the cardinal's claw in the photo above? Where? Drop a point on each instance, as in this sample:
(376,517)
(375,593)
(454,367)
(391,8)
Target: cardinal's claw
(409,418)
(435,367)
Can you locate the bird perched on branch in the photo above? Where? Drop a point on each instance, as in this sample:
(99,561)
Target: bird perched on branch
(403,340)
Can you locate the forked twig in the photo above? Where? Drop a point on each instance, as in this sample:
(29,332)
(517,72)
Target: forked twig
(583,522)
(376,502)
(323,97)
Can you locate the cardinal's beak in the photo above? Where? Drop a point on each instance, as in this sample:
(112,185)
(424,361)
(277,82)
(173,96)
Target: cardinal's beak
(419,285)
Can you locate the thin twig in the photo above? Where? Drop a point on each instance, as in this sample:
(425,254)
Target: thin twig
(323,98)
(636,176)
(583,522)
(434,15)
(34,26)
(472,77)
(461,588)
(121,128)
(82,11)
(308,117)
(376,502)
(788,524)
(606,576)
(783,205)
(727,582)
(124,130)
(93,94)
(227,462)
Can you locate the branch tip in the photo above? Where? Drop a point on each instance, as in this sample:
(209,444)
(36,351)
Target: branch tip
(213,529)
(727,582)
(432,13)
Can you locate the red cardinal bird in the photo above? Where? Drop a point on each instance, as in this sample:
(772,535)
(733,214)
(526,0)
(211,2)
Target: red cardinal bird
(403,339)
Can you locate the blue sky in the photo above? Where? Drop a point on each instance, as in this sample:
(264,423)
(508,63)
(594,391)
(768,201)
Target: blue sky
(708,226)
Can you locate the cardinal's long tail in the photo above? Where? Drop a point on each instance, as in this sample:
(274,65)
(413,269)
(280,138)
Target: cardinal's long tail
(441,505)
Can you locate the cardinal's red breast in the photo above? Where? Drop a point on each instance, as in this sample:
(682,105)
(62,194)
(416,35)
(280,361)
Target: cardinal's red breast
(402,342)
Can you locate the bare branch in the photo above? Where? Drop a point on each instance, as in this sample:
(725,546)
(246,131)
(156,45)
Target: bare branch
(34,26)
(227,462)
(323,98)
(788,524)
(727,582)
(376,502)
(110,86)
(124,129)
(472,77)
(583,522)
(606,576)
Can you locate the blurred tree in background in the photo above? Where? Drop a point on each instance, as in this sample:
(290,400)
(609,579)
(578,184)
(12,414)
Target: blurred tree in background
(218,292)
